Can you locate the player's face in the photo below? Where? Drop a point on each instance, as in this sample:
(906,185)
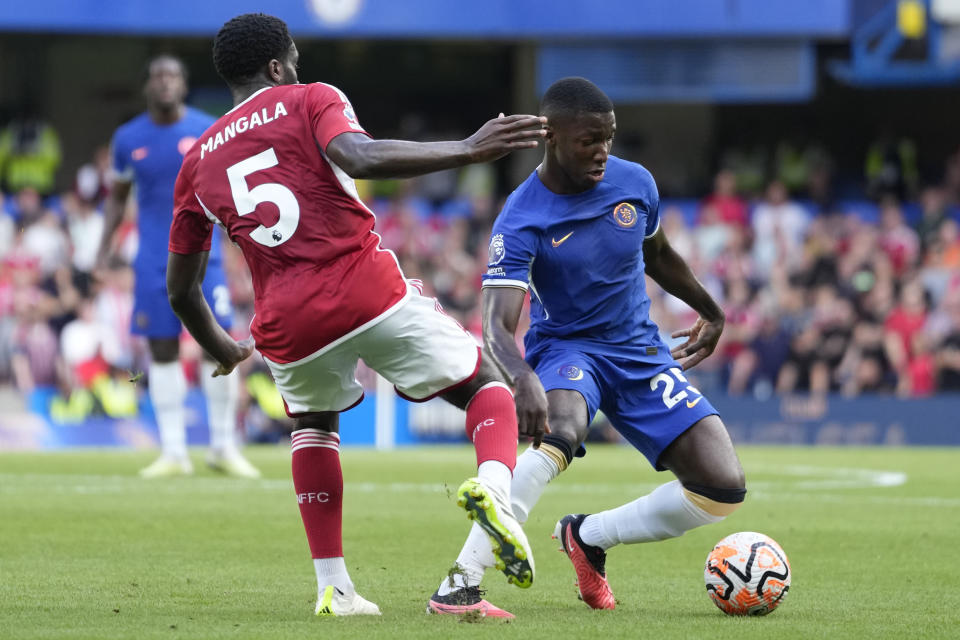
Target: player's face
(166,85)
(581,146)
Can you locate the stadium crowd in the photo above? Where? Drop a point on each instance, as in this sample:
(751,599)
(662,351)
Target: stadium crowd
(852,297)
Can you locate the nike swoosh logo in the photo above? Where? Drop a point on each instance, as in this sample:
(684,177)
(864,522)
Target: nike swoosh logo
(557,243)
(691,405)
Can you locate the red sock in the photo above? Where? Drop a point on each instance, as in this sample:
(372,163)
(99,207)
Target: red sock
(318,481)
(492,424)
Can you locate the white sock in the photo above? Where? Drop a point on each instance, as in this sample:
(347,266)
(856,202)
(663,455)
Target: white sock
(533,472)
(474,558)
(168,390)
(495,475)
(664,513)
(332,571)
(221,394)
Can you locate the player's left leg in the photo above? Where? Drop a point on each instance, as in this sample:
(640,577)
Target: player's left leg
(567,416)
(676,428)
(167,389)
(318,482)
(315,391)
(492,426)
(222,392)
(710,487)
(426,354)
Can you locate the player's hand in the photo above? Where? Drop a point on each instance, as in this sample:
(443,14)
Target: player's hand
(702,339)
(504,134)
(531,402)
(242,352)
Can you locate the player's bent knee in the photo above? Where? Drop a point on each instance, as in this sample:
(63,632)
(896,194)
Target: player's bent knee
(715,501)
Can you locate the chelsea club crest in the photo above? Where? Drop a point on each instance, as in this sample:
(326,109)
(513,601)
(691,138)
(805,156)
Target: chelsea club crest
(625,214)
(497,250)
(571,372)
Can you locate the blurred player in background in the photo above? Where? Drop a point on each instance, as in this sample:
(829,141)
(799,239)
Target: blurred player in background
(580,233)
(277,172)
(148,152)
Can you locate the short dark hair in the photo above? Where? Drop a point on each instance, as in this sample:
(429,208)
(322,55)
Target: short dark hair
(164,56)
(245,44)
(570,96)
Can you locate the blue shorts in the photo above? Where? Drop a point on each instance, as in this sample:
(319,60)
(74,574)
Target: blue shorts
(152,315)
(648,401)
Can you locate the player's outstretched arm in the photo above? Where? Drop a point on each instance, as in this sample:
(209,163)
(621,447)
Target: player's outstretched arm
(671,272)
(363,157)
(113,208)
(501,308)
(184,279)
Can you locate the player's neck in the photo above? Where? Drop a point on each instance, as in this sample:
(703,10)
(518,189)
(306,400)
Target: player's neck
(161,115)
(243,92)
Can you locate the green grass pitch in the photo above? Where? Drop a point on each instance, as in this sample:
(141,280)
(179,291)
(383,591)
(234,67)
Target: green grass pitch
(88,550)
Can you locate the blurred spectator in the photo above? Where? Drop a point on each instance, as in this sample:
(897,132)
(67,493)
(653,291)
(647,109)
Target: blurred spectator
(779,226)
(8,229)
(897,240)
(933,211)
(864,367)
(947,357)
(749,165)
(113,308)
(803,168)
(85,227)
(941,267)
(902,326)
(711,234)
(62,293)
(805,370)
(29,153)
(757,367)
(91,182)
(34,344)
(26,207)
(891,167)
(730,208)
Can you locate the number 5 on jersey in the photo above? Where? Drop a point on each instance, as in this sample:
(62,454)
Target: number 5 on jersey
(246,199)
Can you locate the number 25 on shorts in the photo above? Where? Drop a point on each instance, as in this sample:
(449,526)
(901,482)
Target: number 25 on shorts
(669,383)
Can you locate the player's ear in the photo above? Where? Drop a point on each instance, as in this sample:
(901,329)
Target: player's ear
(549,137)
(275,71)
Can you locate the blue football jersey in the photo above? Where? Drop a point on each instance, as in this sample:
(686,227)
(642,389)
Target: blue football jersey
(581,256)
(149,155)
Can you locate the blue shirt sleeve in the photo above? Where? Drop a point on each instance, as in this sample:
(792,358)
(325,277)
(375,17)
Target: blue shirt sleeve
(653,215)
(121,164)
(510,254)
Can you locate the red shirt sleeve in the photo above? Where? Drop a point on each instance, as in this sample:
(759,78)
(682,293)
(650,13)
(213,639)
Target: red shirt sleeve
(330,113)
(191,229)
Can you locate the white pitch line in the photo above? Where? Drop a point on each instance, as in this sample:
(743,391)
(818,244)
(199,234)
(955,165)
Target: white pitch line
(815,483)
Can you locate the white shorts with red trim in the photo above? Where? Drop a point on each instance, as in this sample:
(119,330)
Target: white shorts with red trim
(416,346)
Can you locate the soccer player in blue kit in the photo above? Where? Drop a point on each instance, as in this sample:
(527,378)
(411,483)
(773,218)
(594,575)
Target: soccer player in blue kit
(148,151)
(580,233)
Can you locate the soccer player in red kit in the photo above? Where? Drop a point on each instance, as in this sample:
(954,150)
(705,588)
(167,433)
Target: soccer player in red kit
(277,172)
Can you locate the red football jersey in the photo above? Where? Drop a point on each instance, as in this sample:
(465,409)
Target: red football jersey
(318,270)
